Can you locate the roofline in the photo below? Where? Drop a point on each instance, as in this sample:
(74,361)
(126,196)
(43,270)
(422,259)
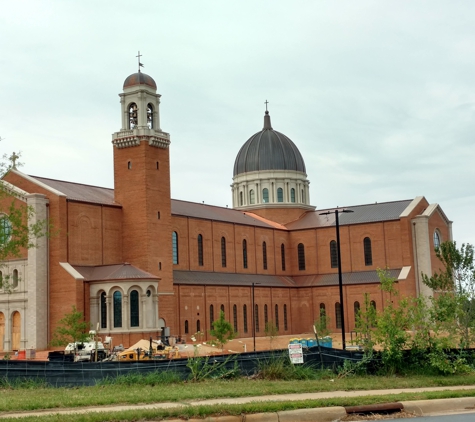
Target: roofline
(38,183)
(411,206)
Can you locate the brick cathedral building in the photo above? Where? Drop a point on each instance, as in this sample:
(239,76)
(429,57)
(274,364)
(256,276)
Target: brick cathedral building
(134,261)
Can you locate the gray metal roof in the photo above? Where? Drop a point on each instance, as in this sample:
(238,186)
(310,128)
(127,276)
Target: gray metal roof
(370,213)
(268,150)
(113,272)
(80,192)
(362,277)
(211,212)
(230,279)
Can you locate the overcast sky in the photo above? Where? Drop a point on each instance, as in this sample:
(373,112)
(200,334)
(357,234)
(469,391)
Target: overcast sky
(377,95)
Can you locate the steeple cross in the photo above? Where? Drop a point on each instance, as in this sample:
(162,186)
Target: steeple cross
(138,58)
(13,159)
(266,102)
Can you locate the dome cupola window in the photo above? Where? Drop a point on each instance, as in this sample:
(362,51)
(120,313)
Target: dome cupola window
(133,115)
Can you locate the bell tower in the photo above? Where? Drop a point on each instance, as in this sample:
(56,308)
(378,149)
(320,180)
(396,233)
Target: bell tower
(142,185)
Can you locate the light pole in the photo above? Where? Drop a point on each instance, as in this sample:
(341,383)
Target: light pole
(253,317)
(340,278)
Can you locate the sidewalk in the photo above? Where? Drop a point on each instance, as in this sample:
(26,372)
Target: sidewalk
(419,408)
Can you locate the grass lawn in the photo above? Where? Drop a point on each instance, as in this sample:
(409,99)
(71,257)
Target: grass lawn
(35,398)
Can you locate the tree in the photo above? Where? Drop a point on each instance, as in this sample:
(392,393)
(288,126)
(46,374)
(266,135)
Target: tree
(454,287)
(71,329)
(271,331)
(222,330)
(322,324)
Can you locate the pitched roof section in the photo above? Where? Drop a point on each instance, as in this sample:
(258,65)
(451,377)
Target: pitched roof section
(113,272)
(384,211)
(230,279)
(211,212)
(80,192)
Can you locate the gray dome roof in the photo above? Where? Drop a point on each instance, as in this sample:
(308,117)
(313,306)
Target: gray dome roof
(268,150)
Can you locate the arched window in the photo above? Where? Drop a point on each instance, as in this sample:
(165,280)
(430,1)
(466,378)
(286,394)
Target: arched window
(373,305)
(244,253)
(244,317)
(277,317)
(222,308)
(265,195)
(282,256)
(15,279)
(301,256)
(186,326)
(211,316)
(103,310)
(436,240)
(5,230)
(223,252)
(133,115)
(266,315)
(235,318)
(368,254)
(256,317)
(200,250)
(264,255)
(280,195)
(356,309)
(175,247)
(292,195)
(134,308)
(117,296)
(338,314)
(252,196)
(198,326)
(241,199)
(150,116)
(286,327)
(333,254)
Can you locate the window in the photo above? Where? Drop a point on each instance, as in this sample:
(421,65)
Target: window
(373,305)
(198,326)
(186,326)
(436,240)
(175,247)
(15,279)
(368,255)
(223,252)
(222,309)
(266,315)
(5,230)
(129,165)
(244,253)
(333,254)
(256,317)
(338,315)
(150,116)
(292,195)
(211,316)
(244,317)
(301,256)
(356,309)
(277,317)
(265,195)
(252,196)
(133,115)
(134,308)
(200,250)
(103,310)
(264,255)
(235,318)
(117,309)
(280,195)
(303,198)
(282,256)
(322,309)
(286,327)
(241,200)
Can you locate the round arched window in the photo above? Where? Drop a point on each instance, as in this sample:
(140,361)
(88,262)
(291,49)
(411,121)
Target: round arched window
(436,239)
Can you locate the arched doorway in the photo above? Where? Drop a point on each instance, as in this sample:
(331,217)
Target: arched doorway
(2,331)
(16,330)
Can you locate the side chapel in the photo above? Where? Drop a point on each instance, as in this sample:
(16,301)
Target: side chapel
(137,262)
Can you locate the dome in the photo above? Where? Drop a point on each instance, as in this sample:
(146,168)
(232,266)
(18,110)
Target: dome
(268,150)
(139,78)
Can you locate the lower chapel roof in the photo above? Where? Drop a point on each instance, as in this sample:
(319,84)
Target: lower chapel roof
(384,211)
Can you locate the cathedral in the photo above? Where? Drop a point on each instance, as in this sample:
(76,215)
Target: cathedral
(138,263)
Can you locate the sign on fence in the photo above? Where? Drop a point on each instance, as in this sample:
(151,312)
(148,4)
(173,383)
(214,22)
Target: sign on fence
(296,353)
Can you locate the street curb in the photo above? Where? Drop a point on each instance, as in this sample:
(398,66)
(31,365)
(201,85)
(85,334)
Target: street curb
(427,407)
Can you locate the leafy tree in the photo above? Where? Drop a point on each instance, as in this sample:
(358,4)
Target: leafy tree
(222,330)
(271,331)
(454,287)
(322,324)
(71,329)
